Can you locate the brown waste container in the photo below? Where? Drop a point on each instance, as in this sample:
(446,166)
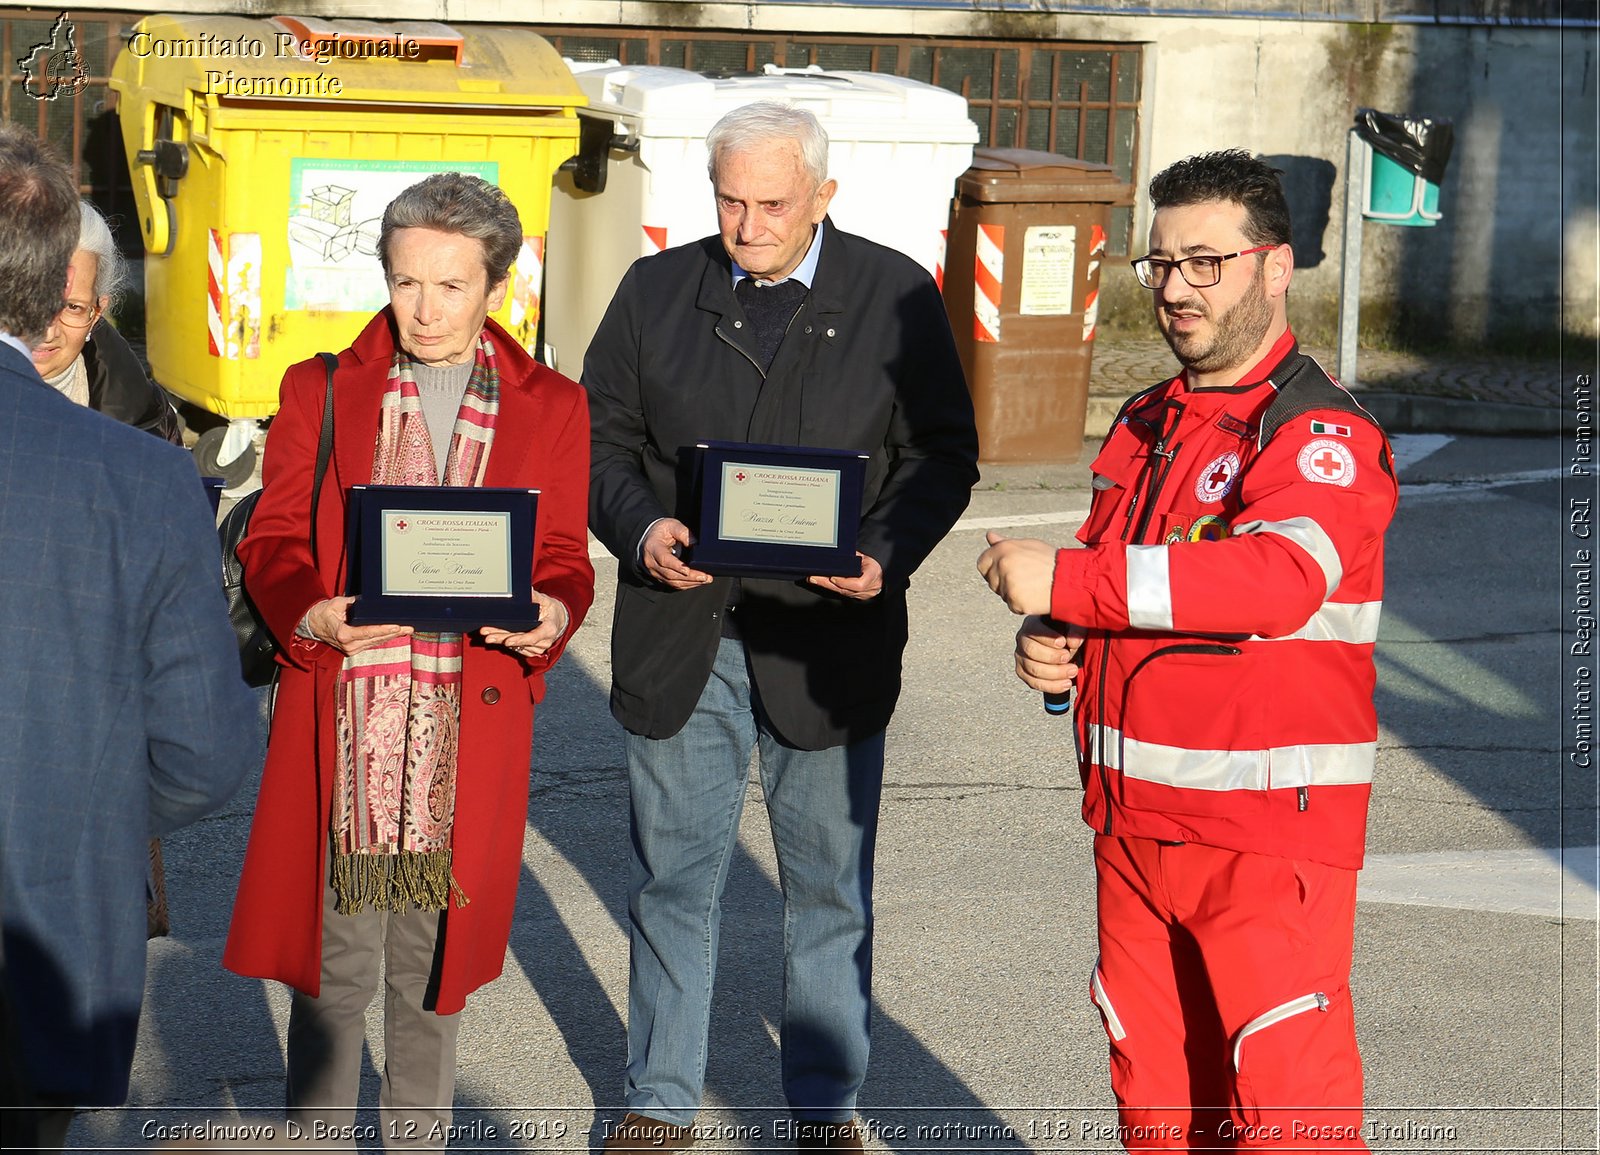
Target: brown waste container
(1022,273)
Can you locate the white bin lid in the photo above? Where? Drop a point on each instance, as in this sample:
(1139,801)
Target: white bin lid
(652,101)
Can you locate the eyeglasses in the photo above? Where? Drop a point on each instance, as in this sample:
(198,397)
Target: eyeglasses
(77,315)
(1199,272)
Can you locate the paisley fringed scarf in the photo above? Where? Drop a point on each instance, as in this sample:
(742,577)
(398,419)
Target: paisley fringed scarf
(398,709)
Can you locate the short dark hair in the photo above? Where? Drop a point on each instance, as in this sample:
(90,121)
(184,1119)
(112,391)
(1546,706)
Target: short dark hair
(38,233)
(454,202)
(1231,175)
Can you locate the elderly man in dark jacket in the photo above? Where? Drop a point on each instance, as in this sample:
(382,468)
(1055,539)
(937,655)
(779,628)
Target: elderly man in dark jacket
(782,331)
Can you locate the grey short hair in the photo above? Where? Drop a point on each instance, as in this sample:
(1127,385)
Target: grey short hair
(751,125)
(38,233)
(453,202)
(94,236)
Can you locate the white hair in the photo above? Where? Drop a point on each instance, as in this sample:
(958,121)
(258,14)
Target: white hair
(94,236)
(755,124)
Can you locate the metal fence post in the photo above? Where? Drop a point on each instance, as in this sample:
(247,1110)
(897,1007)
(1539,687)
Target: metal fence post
(1355,183)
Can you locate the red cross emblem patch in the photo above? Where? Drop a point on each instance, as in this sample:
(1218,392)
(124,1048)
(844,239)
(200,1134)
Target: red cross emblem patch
(740,477)
(1217,478)
(1327,462)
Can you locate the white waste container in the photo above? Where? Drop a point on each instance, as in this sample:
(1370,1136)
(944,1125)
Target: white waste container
(896,147)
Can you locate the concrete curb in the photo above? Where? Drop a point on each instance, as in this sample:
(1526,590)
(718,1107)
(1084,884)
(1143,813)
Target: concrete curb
(1415,413)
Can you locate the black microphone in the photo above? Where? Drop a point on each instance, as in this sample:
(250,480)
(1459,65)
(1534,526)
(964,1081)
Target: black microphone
(1057,703)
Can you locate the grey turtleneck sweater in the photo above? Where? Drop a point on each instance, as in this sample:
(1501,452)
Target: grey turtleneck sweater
(441,388)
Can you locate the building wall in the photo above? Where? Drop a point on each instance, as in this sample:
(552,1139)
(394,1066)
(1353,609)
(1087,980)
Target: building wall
(1512,263)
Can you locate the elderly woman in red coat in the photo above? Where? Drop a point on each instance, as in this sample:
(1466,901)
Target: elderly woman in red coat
(390,819)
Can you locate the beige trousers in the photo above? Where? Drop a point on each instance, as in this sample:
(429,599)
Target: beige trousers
(326,1035)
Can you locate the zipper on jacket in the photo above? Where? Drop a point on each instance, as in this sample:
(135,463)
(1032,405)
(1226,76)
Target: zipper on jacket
(1316,1001)
(1127,684)
(1157,478)
(718,331)
(1099,743)
(1153,475)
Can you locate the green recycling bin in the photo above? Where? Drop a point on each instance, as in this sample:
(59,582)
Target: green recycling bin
(1406,159)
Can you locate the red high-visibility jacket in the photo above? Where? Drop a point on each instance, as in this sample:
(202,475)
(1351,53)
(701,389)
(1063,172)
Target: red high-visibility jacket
(1231,583)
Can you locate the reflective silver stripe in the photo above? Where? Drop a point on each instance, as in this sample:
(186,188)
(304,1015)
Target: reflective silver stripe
(1316,1001)
(1352,622)
(1275,768)
(1103,1001)
(1149,588)
(1309,536)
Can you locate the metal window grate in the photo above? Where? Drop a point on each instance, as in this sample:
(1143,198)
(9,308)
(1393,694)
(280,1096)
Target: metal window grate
(68,118)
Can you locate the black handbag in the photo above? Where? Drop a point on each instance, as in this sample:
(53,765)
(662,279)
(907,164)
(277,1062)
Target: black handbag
(256,643)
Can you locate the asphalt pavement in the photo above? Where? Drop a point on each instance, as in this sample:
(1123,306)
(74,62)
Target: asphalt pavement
(1475,967)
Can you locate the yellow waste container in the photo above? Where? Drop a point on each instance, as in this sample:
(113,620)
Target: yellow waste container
(263,153)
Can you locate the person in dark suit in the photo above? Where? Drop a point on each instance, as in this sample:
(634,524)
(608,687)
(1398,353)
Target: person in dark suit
(782,330)
(122,712)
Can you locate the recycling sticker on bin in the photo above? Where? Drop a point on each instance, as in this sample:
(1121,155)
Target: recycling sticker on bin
(335,213)
(1049,257)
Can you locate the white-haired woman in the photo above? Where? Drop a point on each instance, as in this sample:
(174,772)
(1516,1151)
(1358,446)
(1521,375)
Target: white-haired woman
(85,357)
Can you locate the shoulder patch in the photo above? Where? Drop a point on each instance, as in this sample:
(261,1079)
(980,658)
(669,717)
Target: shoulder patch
(1327,462)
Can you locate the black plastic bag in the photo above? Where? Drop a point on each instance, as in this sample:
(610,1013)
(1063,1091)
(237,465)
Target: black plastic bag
(1417,143)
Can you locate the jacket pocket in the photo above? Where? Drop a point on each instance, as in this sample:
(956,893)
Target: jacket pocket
(1185,737)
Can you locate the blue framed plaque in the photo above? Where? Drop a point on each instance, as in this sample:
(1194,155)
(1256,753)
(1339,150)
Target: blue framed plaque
(441,557)
(777,511)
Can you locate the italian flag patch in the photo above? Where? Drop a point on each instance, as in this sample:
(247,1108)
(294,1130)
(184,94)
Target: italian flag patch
(1327,430)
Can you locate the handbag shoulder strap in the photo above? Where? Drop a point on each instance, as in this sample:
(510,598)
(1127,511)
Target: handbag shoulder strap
(324,448)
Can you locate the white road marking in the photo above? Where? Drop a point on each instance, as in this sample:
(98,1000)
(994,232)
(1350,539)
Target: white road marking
(1073,517)
(1475,488)
(1548,882)
(1410,448)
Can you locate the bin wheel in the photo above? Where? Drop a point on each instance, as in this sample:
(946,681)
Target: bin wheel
(207,453)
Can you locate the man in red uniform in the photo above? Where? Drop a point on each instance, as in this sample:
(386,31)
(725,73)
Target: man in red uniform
(1217,628)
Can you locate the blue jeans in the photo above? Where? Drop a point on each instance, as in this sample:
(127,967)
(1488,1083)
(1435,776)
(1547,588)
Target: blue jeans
(687,794)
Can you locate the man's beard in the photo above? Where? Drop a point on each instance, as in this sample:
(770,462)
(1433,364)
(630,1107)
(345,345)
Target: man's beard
(1233,336)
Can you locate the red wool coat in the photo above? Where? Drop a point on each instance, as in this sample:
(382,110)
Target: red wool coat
(541,441)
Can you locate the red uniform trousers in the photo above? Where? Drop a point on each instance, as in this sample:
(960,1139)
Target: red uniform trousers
(1224,984)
